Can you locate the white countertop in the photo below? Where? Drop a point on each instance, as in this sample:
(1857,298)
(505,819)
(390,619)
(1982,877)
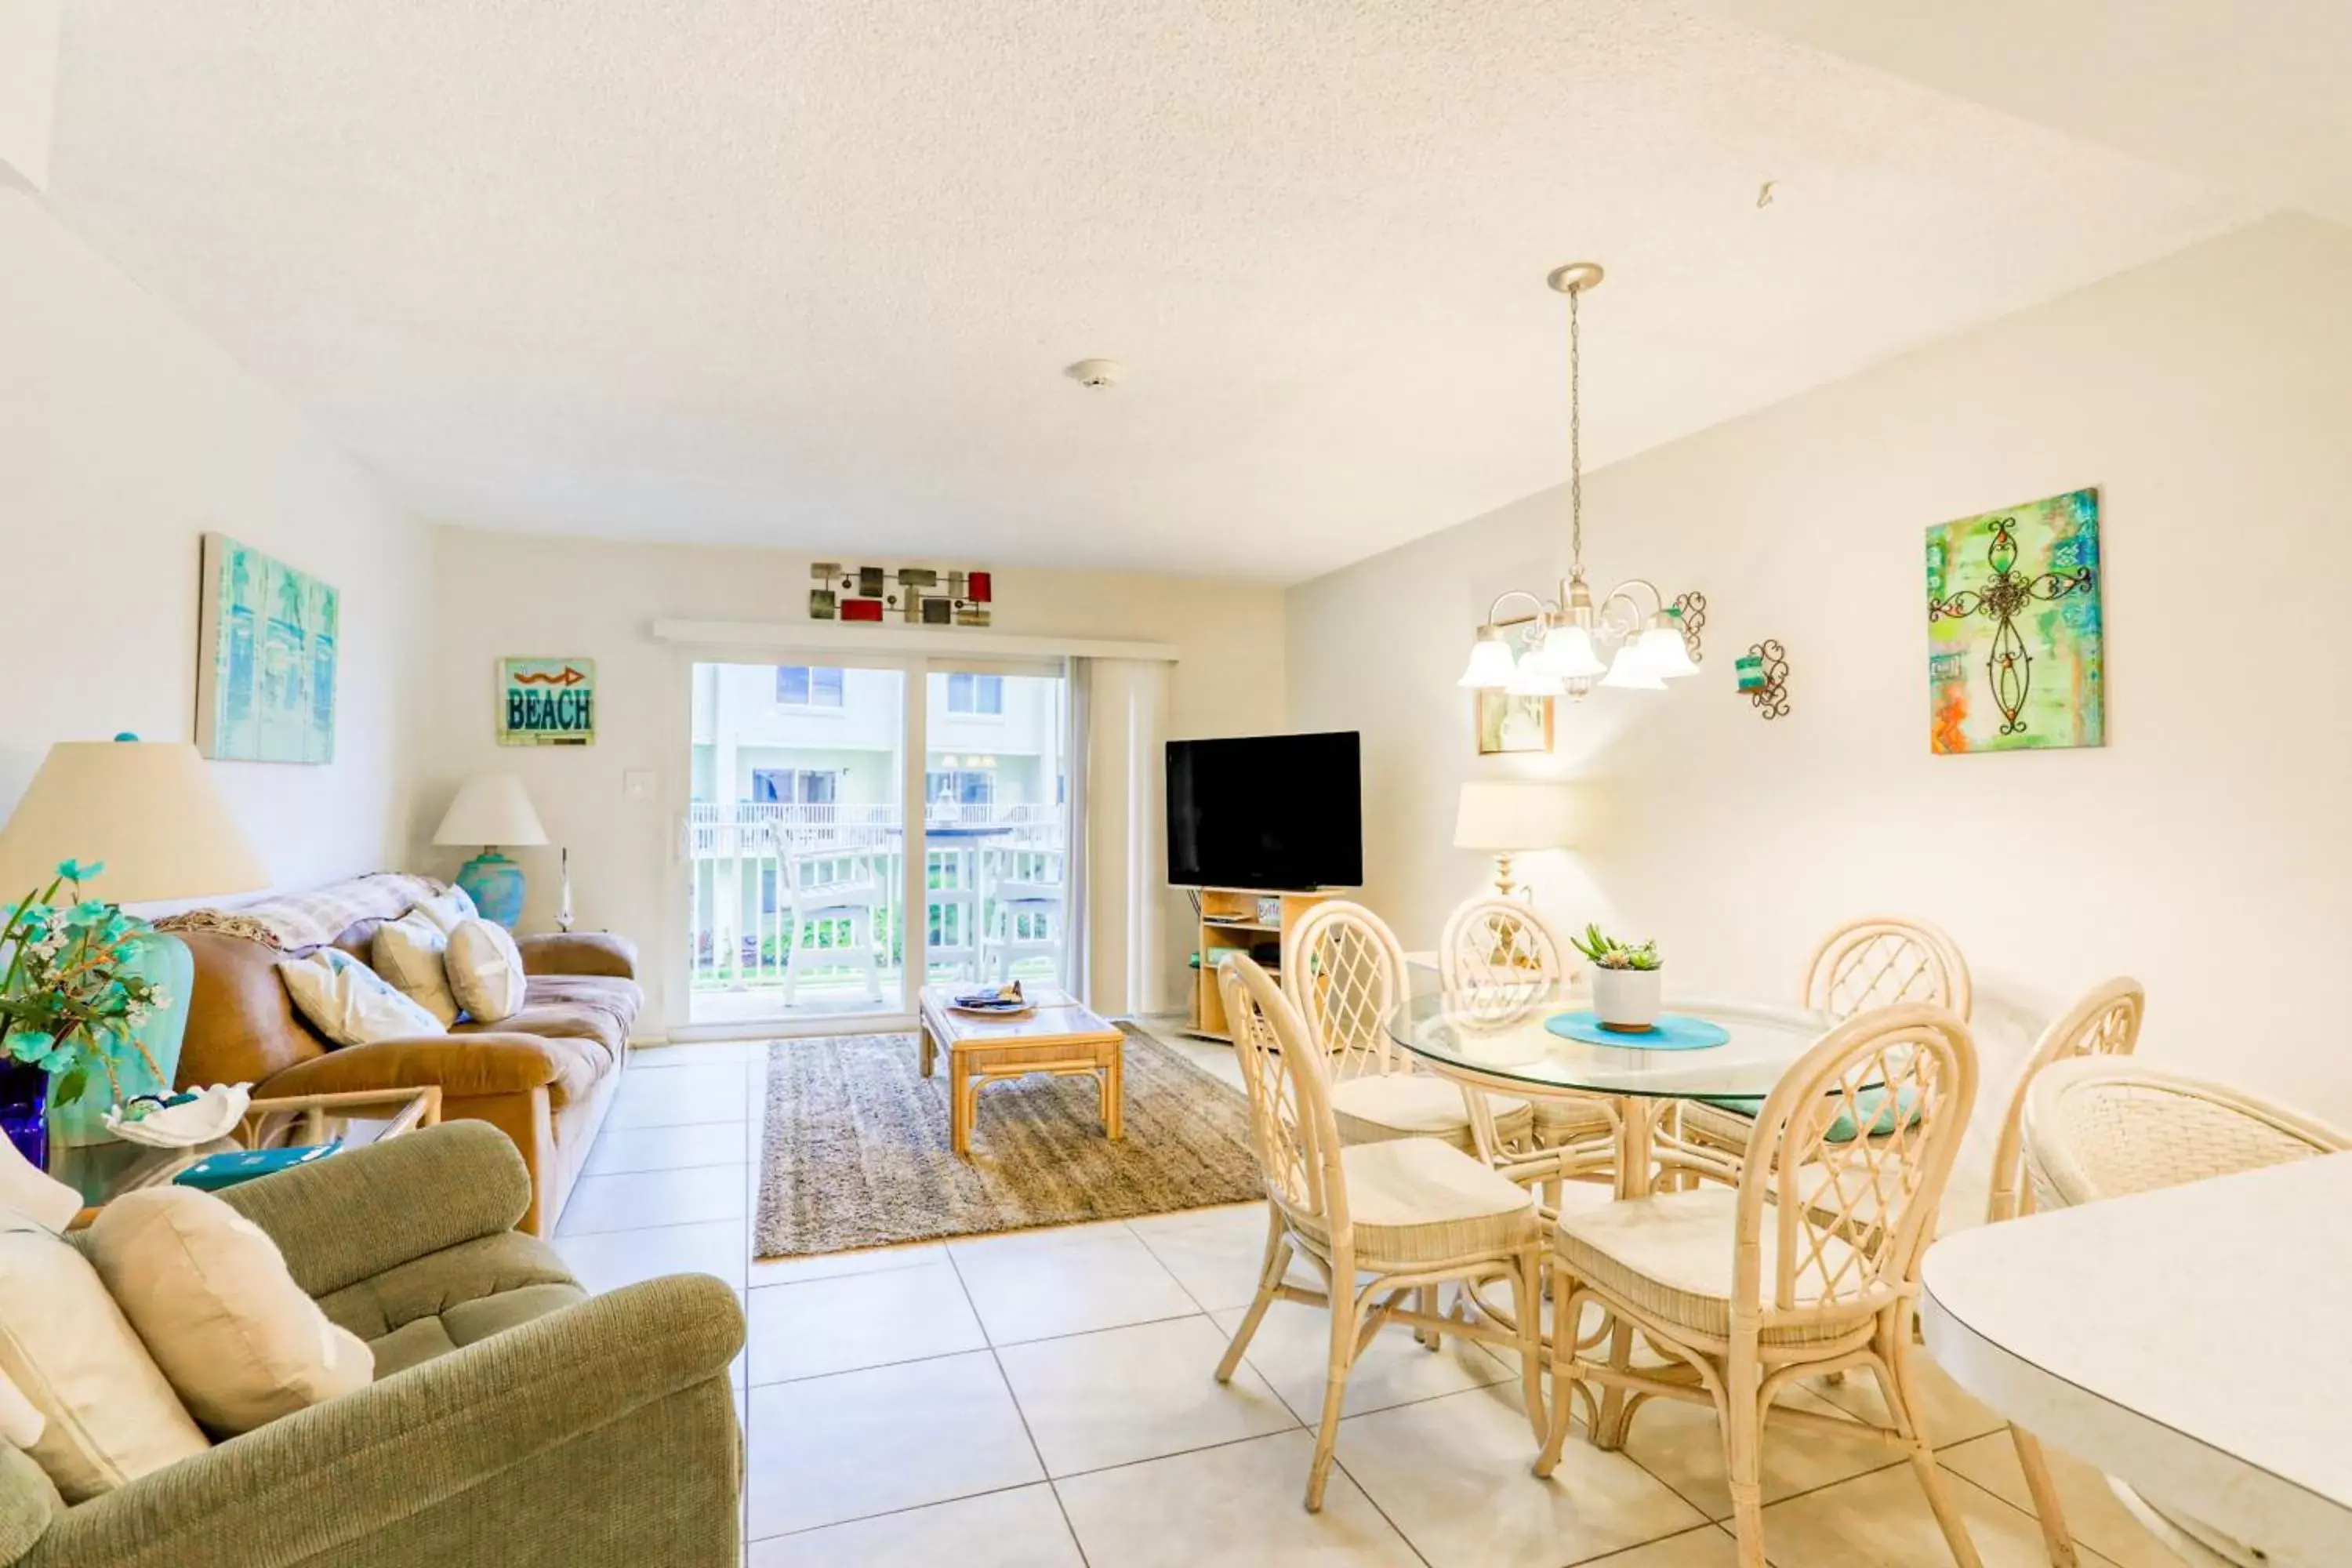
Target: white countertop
(2196,1341)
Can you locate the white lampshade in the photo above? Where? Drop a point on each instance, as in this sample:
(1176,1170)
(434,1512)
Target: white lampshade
(492,809)
(1630,670)
(1568,653)
(1490,667)
(1667,655)
(146,808)
(1507,815)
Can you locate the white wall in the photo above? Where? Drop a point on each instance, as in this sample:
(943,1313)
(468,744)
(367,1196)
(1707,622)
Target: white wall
(2207,848)
(501,596)
(124,435)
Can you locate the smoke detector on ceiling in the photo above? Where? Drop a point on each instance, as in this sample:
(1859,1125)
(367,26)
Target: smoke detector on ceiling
(1095,372)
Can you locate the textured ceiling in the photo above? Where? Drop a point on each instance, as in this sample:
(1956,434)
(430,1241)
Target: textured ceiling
(807,273)
(2252,95)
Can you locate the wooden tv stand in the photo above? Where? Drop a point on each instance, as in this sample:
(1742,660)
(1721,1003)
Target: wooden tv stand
(1230,922)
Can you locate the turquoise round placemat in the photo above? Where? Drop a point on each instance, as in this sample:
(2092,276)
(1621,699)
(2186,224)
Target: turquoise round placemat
(1673,1032)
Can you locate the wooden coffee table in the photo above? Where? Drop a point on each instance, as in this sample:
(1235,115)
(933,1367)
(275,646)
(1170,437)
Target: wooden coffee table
(1056,1036)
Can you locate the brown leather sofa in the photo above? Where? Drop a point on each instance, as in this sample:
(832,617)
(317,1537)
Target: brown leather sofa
(544,1077)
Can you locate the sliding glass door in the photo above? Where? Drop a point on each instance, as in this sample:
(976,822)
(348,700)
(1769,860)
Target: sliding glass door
(814,896)
(996,820)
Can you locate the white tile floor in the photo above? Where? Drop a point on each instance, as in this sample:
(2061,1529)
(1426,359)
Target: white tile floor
(1043,1401)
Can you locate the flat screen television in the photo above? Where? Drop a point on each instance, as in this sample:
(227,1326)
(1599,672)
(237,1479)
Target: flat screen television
(1273,811)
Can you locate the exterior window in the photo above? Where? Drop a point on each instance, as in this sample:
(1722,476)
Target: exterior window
(766,890)
(960,787)
(794,787)
(976,694)
(809,686)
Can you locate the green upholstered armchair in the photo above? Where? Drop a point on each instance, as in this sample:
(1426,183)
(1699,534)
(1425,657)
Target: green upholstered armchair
(514,1420)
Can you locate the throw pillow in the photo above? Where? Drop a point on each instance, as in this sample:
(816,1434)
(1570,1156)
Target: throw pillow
(350,1004)
(211,1297)
(106,1413)
(36,1194)
(411,953)
(449,908)
(485,970)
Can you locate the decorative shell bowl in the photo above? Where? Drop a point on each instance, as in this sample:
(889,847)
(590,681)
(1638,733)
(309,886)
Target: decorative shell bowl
(212,1114)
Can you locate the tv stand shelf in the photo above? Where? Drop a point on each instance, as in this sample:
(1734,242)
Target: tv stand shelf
(1215,939)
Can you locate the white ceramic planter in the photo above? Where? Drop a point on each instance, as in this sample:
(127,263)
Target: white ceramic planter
(1627,998)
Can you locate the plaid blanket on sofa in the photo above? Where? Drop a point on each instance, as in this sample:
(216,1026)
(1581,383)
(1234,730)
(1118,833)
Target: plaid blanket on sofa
(292,921)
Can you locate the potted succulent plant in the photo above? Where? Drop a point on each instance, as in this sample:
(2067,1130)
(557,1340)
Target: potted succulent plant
(1627,980)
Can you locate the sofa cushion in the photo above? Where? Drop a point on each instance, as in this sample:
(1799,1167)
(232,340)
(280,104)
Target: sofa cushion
(108,1414)
(576,1007)
(350,1004)
(213,1301)
(452,1298)
(485,971)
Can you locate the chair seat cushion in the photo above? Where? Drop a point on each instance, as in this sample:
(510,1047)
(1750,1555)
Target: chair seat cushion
(1419,1202)
(1381,1107)
(1561,1121)
(1723,1123)
(1670,1257)
(1734,1117)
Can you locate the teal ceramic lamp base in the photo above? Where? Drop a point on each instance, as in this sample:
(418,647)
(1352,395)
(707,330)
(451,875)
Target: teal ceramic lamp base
(495,884)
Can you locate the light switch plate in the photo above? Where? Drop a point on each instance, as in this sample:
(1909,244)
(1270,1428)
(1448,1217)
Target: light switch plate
(639,784)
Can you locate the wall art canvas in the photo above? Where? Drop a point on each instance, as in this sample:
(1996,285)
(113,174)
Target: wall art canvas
(919,595)
(266,670)
(2016,639)
(1508,724)
(546,702)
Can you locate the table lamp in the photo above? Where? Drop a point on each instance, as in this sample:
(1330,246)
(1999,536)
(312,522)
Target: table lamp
(1506,815)
(492,809)
(149,811)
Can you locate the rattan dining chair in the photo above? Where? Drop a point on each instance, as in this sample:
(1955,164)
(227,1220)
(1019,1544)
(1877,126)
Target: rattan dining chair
(1745,1294)
(2101,1128)
(1878,961)
(1344,970)
(1382,1222)
(1499,956)
(2104,1022)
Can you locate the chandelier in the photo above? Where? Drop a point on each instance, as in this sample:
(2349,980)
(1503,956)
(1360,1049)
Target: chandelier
(1632,638)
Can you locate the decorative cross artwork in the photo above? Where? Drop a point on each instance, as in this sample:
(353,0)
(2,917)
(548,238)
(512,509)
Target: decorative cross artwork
(2014,615)
(922,595)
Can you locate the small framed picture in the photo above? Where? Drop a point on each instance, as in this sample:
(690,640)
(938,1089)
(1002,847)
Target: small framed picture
(1508,723)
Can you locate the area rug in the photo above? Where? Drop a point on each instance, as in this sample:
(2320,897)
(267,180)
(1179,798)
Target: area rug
(856,1149)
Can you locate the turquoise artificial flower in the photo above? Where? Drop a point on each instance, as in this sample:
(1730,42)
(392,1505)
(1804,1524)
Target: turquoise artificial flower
(31,1046)
(75,871)
(86,914)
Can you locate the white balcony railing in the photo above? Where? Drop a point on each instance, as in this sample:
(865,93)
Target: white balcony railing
(746,856)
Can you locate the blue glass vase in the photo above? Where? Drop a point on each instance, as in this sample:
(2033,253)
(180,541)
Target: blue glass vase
(24,1110)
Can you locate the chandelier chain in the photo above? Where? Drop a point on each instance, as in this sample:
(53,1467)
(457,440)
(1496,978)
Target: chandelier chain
(1575,436)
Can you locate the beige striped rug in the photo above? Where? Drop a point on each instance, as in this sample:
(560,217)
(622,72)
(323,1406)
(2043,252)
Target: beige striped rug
(857,1148)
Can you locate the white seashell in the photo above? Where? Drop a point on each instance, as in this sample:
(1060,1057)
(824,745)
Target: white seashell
(212,1114)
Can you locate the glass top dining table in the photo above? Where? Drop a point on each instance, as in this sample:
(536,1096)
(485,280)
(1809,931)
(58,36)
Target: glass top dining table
(1495,1034)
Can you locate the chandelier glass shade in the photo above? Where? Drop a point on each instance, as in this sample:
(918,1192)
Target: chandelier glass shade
(1632,638)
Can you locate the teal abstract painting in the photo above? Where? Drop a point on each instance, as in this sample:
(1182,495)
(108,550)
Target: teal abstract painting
(2016,635)
(266,672)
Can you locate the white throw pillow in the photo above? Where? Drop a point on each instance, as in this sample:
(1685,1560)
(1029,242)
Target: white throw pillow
(350,1004)
(485,970)
(410,952)
(449,909)
(38,1195)
(211,1297)
(107,1414)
